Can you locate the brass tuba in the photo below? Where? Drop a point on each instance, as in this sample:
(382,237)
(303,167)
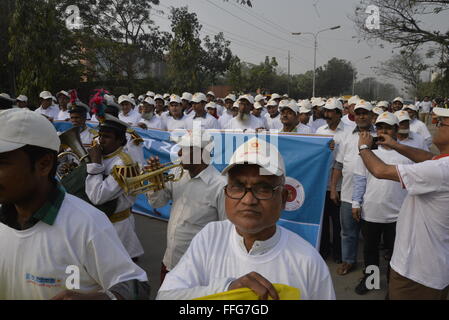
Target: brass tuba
(69,160)
(149,180)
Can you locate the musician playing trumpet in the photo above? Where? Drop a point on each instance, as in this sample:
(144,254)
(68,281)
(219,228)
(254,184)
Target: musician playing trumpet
(198,198)
(101,183)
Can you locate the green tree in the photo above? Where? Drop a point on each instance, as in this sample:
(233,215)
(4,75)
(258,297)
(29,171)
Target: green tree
(185,52)
(235,76)
(334,78)
(216,59)
(263,76)
(42,47)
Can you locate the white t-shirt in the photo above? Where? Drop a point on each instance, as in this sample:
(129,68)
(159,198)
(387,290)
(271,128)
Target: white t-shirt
(317,124)
(208,122)
(252,123)
(424,106)
(63,116)
(348,122)
(383,198)
(421,248)
(132,118)
(51,112)
(153,123)
(420,128)
(224,119)
(415,140)
(173,124)
(274,123)
(347,154)
(217,256)
(34,261)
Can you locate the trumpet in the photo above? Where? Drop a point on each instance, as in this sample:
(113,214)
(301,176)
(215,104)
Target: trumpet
(70,160)
(148,180)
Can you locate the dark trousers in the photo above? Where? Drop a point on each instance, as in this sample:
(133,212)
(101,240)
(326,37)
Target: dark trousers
(372,233)
(331,213)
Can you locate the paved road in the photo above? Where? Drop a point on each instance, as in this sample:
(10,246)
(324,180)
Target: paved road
(152,234)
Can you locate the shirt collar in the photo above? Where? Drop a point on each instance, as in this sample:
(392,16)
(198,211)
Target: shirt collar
(260,247)
(340,127)
(371,129)
(47,213)
(207,175)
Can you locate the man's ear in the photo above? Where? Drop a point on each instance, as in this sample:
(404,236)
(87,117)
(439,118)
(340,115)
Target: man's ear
(45,165)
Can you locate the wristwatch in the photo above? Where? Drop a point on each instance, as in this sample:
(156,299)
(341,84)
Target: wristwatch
(363,147)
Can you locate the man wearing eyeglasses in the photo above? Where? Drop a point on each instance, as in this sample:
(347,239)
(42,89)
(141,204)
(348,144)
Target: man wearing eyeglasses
(250,250)
(420,264)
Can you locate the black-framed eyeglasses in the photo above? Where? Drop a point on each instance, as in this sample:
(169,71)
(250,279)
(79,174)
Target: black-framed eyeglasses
(260,192)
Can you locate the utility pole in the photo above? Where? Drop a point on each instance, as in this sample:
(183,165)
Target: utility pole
(288,90)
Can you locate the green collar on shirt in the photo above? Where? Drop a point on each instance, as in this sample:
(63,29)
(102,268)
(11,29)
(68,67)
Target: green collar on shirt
(50,209)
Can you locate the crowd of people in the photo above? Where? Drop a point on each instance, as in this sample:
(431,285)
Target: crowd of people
(222,234)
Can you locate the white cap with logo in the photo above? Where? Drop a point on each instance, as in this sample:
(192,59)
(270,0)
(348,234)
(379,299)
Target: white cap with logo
(382,104)
(45,95)
(402,115)
(441,112)
(257,105)
(247,97)
(259,97)
(362,104)
(411,107)
(23,127)
(399,99)
(175,98)
(150,101)
(230,97)
(22,98)
(388,118)
(259,152)
(285,104)
(125,98)
(378,110)
(187,96)
(199,97)
(332,104)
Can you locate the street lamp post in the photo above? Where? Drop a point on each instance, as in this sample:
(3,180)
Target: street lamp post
(315,35)
(353,74)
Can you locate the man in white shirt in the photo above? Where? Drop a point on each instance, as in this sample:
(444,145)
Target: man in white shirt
(186,101)
(289,118)
(47,234)
(333,112)
(257,112)
(397,104)
(318,117)
(102,183)
(47,108)
(349,119)
(149,119)
(304,115)
(273,116)
(376,203)
(63,100)
(419,266)
(424,109)
(227,114)
(128,114)
(206,120)
(78,119)
(417,125)
(346,157)
(249,250)
(176,118)
(198,197)
(407,137)
(244,119)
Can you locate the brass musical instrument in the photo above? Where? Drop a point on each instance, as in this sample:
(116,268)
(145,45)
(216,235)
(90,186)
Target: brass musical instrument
(69,160)
(149,180)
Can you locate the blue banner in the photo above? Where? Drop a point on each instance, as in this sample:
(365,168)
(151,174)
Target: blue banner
(307,160)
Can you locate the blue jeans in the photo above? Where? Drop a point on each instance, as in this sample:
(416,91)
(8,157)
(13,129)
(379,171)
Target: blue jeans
(350,230)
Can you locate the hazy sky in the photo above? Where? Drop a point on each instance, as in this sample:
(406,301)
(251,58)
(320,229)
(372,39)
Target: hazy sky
(265,29)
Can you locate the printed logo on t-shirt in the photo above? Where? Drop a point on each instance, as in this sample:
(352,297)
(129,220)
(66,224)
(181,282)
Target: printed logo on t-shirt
(43,281)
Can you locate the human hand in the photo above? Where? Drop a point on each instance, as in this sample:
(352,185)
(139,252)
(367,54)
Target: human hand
(257,283)
(357,214)
(95,154)
(73,295)
(365,138)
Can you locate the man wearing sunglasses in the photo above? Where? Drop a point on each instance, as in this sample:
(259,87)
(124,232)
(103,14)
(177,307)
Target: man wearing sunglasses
(420,264)
(250,250)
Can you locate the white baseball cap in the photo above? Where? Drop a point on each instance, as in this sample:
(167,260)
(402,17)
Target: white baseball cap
(210,93)
(259,152)
(317,102)
(211,105)
(150,101)
(257,105)
(64,93)
(45,95)
(354,100)
(259,97)
(382,104)
(230,97)
(399,99)
(125,98)
(272,103)
(441,112)
(284,104)
(22,98)
(187,96)
(275,96)
(378,110)
(306,104)
(388,118)
(304,110)
(363,104)
(332,104)
(247,97)
(235,105)
(199,97)
(6,96)
(150,94)
(131,95)
(411,107)
(23,127)
(166,95)
(175,98)
(193,138)
(158,96)
(402,115)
